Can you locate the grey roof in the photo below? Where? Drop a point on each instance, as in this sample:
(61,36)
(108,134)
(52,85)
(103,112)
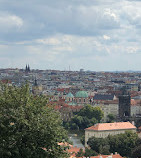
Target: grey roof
(103,97)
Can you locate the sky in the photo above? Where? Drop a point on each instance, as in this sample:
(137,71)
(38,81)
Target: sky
(96,35)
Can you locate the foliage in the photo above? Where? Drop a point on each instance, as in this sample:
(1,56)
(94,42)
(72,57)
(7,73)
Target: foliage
(121,143)
(90,152)
(97,144)
(136,153)
(28,128)
(86,117)
(83,139)
(111,118)
(138,123)
(80,153)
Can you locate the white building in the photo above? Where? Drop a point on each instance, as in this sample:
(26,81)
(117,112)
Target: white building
(102,130)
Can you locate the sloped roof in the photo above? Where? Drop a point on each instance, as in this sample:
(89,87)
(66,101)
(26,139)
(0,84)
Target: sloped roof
(111,126)
(103,97)
(107,156)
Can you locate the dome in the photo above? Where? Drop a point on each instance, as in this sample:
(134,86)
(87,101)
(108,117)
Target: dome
(69,95)
(81,94)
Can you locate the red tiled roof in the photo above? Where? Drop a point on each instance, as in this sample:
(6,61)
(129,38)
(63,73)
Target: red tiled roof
(107,156)
(111,126)
(73,151)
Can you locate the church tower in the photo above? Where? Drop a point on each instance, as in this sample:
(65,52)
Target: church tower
(27,68)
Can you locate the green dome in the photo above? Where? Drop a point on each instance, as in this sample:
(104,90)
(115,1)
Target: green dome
(69,95)
(81,94)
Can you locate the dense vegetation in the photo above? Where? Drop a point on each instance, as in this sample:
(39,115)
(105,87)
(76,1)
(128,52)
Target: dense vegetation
(28,128)
(86,117)
(126,144)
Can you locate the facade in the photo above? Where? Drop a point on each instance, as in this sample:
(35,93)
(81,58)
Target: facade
(108,107)
(135,108)
(102,130)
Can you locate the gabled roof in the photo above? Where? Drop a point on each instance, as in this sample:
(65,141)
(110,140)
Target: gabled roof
(111,126)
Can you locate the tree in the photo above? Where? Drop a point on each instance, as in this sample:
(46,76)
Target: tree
(86,117)
(90,152)
(28,127)
(97,144)
(136,153)
(121,143)
(91,112)
(111,118)
(80,153)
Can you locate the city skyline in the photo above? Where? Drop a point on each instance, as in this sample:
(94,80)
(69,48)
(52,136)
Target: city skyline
(93,35)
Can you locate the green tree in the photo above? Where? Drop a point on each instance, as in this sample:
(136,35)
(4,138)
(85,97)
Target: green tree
(28,128)
(111,118)
(90,152)
(121,143)
(80,153)
(86,117)
(97,144)
(136,153)
(91,112)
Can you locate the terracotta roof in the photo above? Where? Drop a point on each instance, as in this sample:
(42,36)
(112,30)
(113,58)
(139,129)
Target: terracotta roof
(73,151)
(111,126)
(107,156)
(65,144)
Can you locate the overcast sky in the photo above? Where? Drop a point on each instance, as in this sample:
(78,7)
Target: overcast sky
(57,34)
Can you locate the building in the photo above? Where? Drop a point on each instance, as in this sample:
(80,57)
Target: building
(69,97)
(108,107)
(104,97)
(81,98)
(102,130)
(135,108)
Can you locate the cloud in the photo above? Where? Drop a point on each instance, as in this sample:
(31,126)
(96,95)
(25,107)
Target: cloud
(93,34)
(8,21)
(106,37)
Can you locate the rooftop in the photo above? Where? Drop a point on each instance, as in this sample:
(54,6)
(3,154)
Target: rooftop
(111,126)
(81,94)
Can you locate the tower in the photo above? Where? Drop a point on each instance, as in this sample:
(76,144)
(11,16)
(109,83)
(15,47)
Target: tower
(27,68)
(124,104)
(36,88)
